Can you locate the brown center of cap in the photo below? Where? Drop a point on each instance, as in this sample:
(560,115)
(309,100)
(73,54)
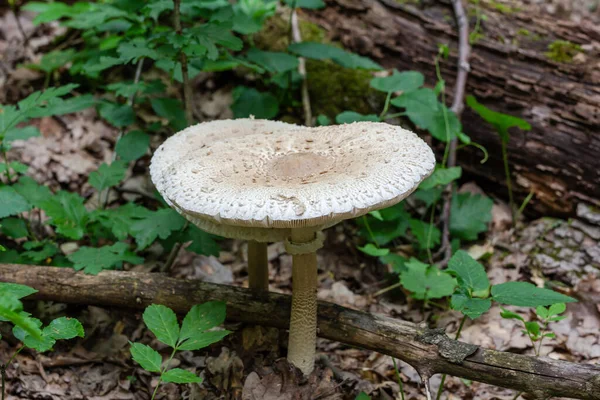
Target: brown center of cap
(300,165)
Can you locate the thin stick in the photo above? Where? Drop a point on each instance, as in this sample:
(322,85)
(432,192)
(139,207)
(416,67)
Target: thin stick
(187,89)
(297,38)
(464,50)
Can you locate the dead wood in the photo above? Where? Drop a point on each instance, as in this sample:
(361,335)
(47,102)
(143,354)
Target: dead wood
(429,351)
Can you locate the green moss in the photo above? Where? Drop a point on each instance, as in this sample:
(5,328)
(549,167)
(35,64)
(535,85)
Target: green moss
(523,32)
(334,89)
(275,34)
(562,51)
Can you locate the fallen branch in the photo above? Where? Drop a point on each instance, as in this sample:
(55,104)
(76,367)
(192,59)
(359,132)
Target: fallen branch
(429,351)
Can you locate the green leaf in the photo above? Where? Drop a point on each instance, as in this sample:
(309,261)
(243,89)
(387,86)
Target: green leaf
(146,356)
(120,220)
(429,196)
(14,228)
(64,328)
(321,51)
(128,89)
(347,117)
(133,145)
(201,340)
(202,242)
(323,120)
(309,4)
(371,250)
(363,396)
(507,314)
(21,134)
(13,166)
(525,294)
(399,81)
(160,224)
(108,175)
(542,312)
(11,310)
(274,62)
(469,215)
(32,191)
(171,110)
(12,202)
(94,260)
(470,274)
(40,251)
(118,115)
(556,309)
(249,101)
(398,263)
(533,328)
(426,281)
(202,317)
(427,234)
(53,60)
(178,375)
(16,290)
(162,321)
(471,307)
(420,105)
(134,50)
(67,213)
(501,122)
(441,177)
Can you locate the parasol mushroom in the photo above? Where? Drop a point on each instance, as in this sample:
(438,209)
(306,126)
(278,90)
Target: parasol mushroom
(285,182)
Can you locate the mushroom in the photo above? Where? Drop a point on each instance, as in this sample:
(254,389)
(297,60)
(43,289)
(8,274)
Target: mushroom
(194,139)
(286,182)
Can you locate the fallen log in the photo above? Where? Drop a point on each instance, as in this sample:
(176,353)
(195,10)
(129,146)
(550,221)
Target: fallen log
(510,72)
(429,351)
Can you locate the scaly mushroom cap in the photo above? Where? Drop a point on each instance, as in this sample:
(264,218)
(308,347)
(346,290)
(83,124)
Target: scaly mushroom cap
(246,174)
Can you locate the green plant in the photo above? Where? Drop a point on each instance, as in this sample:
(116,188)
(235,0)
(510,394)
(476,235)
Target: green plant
(473,296)
(502,123)
(195,333)
(28,329)
(533,330)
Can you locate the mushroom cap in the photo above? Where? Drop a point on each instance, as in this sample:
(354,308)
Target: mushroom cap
(235,176)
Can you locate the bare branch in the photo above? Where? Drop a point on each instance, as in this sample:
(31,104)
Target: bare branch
(429,351)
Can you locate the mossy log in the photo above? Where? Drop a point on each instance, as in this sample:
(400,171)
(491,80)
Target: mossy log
(523,63)
(429,351)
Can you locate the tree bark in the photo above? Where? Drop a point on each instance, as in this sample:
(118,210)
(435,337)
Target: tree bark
(510,73)
(429,351)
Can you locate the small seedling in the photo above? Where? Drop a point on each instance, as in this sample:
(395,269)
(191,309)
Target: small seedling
(196,332)
(28,329)
(533,330)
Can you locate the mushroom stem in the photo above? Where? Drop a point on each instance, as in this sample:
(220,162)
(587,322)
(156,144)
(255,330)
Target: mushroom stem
(303,322)
(258,267)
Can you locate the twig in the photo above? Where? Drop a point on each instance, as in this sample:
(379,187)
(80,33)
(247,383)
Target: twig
(297,38)
(16,13)
(187,89)
(464,50)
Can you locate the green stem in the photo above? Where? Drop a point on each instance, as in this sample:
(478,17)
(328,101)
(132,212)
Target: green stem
(398,377)
(456,337)
(368,226)
(438,74)
(162,371)
(47,80)
(386,105)
(517,396)
(389,116)
(8,176)
(431,217)
(508,182)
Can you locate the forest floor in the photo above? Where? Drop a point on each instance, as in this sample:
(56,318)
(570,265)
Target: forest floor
(566,253)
